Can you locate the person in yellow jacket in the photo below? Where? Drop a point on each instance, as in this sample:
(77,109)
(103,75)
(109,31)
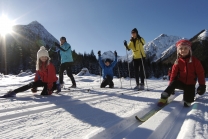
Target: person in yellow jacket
(136,45)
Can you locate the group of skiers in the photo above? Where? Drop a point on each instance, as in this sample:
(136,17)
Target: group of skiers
(184,74)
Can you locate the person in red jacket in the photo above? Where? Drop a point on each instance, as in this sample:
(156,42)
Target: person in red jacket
(45,76)
(185,72)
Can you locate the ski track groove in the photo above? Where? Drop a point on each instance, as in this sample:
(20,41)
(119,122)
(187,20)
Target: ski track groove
(120,129)
(100,93)
(58,105)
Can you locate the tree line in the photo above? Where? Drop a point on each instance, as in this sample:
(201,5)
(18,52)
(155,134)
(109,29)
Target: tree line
(22,56)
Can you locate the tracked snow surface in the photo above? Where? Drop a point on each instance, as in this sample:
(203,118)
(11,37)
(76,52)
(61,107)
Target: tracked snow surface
(91,112)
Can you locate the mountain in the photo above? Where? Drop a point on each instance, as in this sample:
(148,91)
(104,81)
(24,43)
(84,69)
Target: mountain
(19,50)
(199,48)
(34,31)
(162,45)
(110,55)
(203,36)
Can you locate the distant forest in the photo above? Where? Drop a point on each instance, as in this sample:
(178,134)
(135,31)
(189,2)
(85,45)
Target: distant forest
(19,57)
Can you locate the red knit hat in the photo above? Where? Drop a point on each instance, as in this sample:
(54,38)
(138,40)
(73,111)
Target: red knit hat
(183,42)
(186,43)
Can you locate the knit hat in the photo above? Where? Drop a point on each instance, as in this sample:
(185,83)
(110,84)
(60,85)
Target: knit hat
(63,38)
(108,60)
(135,30)
(42,52)
(183,42)
(186,43)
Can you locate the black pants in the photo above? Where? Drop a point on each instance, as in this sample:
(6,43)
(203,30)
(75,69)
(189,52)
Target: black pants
(138,69)
(38,83)
(189,90)
(66,66)
(107,81)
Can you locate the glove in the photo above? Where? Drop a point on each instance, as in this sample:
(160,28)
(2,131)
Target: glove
(99,53)
(125,43)
(201,89)
(56,44)
(115,53)
(34,90)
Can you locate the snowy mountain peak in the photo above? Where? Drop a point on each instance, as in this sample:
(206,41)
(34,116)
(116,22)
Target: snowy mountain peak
(155,49)
(108,55)
(163,35)
(33,32)
(34,23)
(203,35)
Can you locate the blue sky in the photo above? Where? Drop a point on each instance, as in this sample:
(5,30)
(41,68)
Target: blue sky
(104,24)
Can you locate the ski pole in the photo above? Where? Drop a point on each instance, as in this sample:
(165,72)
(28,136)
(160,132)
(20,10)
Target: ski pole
(128,67)
(100,76)
(119,75)
(144,73)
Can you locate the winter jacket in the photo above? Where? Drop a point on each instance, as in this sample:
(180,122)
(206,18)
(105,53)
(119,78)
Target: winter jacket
(47,75)
(66,55)
(188,72)
(107,70)
(137,48)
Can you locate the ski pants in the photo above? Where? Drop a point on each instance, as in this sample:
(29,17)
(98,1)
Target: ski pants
(189,90)
(138,69)
(35,84)
(107,81)
(66,66)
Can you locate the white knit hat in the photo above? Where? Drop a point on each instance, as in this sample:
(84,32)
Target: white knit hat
(40,53)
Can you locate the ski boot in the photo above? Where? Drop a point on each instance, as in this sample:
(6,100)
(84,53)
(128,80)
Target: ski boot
(73,86)
(187,104)
(9,94)
(141,86)
(111,86)
(136,87)
(58,88)
(164,99)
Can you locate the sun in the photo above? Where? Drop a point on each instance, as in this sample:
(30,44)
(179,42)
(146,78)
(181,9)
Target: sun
(5,25)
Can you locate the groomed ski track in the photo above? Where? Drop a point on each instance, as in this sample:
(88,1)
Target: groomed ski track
(79,113)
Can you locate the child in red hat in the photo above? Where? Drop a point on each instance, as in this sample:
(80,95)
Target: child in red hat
(185,72)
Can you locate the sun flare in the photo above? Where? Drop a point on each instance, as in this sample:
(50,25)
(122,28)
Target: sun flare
(5,25)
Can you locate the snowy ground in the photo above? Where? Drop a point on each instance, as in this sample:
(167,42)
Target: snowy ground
(98,113)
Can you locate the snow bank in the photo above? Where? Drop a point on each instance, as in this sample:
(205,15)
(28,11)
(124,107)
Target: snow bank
(23,74)
(84,72)
(1,75)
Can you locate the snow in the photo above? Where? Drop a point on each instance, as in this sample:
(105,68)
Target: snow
(91,112)
(203,35)
(84,72)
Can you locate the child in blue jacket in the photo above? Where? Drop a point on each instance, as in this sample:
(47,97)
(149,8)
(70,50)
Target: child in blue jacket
(107,71)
